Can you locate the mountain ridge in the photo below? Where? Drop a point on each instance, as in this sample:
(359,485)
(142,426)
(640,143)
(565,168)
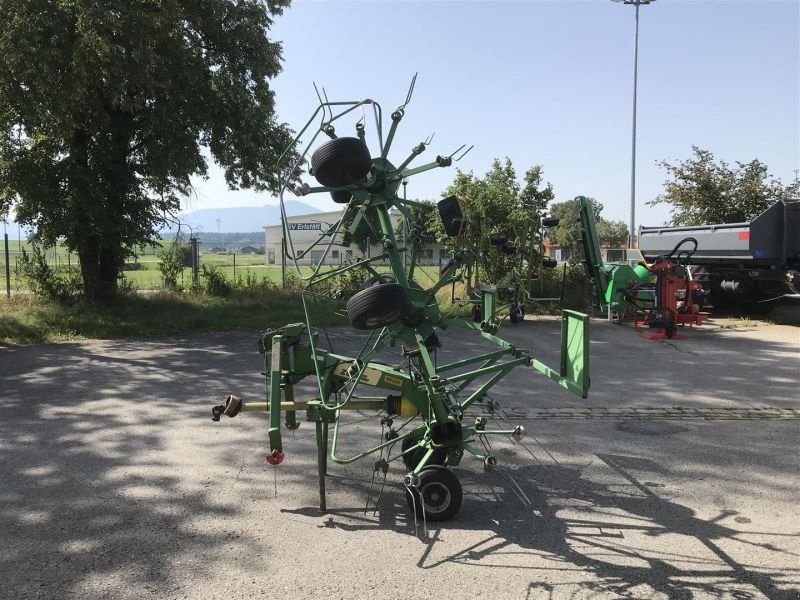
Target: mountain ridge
(240,218)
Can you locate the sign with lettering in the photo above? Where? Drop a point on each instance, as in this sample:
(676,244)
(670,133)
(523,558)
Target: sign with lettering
(305,226)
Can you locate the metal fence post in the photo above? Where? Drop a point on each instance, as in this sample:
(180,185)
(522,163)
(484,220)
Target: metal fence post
(195,261)
(8,272)
(234,266)
(283,261)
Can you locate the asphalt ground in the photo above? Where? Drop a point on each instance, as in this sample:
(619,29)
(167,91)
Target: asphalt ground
(115,483)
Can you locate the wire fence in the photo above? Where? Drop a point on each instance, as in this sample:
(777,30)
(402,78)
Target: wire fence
(140,270)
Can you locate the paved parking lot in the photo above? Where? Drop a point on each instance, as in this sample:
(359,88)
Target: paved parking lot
(114,482)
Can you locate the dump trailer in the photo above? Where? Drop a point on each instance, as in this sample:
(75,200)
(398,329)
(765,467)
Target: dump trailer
(751,263)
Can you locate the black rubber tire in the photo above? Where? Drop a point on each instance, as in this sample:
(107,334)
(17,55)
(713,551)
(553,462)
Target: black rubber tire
(498,239)
(341,196)
(550,221)
(342,161)
(441,492)
(516,315)
(381,279)
(509,248)
(378,306)
(411,460)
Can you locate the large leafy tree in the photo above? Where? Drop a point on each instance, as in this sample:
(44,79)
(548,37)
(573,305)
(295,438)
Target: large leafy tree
(422,228)
(702,190)
(498,203)
(107,107)
(613,234)
(567,233)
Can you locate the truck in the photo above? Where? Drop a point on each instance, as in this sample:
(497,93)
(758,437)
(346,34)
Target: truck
(751,264)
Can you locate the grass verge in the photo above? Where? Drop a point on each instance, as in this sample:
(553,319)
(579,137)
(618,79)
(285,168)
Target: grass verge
(25,319)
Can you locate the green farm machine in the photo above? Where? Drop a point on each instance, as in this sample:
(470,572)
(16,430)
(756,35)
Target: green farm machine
(523,249)
(660,296)
(425,410)
(612,281)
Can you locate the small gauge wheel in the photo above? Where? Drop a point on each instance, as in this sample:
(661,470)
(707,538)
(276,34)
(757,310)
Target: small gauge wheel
(439,491)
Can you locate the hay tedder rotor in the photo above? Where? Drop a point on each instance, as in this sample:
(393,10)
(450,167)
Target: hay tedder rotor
(423,408)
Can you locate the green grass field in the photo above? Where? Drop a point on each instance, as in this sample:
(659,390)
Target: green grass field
(142,272)
(146,275)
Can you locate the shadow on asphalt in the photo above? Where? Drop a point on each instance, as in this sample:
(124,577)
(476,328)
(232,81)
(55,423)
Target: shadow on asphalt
(521,512)
(85,495)
(70,506)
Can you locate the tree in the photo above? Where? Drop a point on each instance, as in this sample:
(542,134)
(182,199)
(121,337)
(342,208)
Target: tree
(567,233)
(108,107)
(422,225)
(704,191)
(613,234)
(498,204)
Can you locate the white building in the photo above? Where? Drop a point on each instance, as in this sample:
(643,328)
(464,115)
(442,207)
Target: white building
(306,229)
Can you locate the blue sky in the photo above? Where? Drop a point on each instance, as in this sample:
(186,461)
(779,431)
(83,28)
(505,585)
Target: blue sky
(550,83)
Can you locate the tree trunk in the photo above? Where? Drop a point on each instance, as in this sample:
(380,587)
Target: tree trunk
(101,200)
(99,270)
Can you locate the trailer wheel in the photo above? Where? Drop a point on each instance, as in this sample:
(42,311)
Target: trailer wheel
(412,459)
(340,162)
(378,306)
(517,314)
(439,491)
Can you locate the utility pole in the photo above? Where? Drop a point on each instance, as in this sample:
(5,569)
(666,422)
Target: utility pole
(637,4)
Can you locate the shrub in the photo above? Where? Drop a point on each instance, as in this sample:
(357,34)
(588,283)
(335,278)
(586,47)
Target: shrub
(171,264)
(250,284)
(63,285)
(214,282)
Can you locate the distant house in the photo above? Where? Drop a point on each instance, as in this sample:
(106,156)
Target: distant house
(248,250)
(217,250)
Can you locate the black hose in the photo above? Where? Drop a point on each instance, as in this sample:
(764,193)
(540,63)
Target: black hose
(688,253)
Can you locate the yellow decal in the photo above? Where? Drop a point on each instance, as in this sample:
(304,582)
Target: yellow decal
(393,381)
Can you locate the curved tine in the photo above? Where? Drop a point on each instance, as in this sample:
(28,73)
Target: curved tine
(327,102)
(456,151)
(327,124)
(463,154)
(410,93)
(362,119)
(319,97)
(429,139)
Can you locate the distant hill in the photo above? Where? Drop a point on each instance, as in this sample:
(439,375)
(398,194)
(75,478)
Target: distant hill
(231,220)
(243,218)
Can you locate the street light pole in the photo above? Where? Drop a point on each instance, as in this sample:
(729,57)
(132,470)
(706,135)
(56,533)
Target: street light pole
(636,4)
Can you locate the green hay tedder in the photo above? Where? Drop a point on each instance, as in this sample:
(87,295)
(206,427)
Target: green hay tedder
(422,405)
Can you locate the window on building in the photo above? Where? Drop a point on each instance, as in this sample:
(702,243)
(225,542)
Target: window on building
(445,254)
(335,254)
(427,253)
